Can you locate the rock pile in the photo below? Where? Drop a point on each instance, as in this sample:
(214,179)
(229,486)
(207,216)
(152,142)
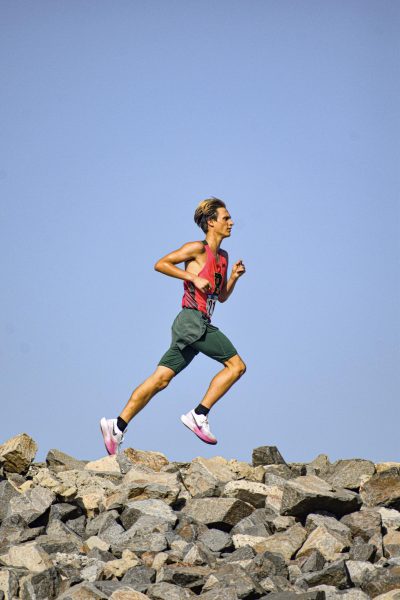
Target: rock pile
(137,526)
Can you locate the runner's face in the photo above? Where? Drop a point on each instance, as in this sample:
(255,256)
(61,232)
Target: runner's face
(223,223)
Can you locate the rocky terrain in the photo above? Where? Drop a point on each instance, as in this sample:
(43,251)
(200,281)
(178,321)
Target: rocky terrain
(137,526)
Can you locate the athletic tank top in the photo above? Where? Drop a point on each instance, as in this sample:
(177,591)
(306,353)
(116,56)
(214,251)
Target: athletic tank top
(215,271)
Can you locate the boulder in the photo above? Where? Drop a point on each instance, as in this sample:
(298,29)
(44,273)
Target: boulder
(364,523)
(309,493)
(391,543)
(45,584)
(334,574)
(349,473)
(252,492)
(220,513)
(234,576)
(327,541)
(169,591)
(381,580)
(154,460)
(29,555)
(58,461)
(382,489)
(286,543)
(205,476)
(32,505)
(17,453)
(267,455)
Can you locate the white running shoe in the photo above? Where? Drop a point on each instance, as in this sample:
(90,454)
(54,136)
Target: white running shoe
(112,436)
(200,426)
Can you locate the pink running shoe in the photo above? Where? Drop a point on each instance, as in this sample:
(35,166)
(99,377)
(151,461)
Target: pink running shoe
(112,436)
(199,425)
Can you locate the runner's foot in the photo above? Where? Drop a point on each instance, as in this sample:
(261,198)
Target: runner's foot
(199,425)
(112,436)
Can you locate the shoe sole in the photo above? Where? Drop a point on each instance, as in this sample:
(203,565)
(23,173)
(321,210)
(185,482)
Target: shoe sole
(199,434)
(104,431)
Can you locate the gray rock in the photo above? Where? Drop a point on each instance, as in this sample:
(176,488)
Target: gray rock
(334,574)
(276,583)
(205,476)
(234,576)
(225,594)
(155,508)
(239,555)
(282,471)
(31,505)
(267,455)
(348,473)
(382,489)
(357,570)
(77,525)
(391,544)
(267,564)
(14,530)
(168,591)
(58,462)
(254,524)
(390,518)
(140,577)
(298,469)
(63,511)
(17,453)
(313,562)
(220,513)
(37,586)
(315,520)
(360,550)
(312,595)
(188,528)
(7,491)
(9,578)
(381,580)
(252,492)
(363,523)
(140,542)
(216,540)
(191,577)
(309,493)
(83,591)
(101,522)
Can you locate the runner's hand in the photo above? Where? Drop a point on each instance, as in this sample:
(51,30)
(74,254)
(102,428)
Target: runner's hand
(202,284)
(238,269)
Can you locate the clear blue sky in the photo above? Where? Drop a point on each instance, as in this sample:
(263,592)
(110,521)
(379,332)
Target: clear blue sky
(117,118)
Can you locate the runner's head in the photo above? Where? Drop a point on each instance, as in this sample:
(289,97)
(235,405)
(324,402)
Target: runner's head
(206,211)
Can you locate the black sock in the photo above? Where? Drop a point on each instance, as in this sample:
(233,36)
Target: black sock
(201,410)
(121,424)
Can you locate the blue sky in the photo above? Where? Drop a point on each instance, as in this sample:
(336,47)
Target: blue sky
(117,119)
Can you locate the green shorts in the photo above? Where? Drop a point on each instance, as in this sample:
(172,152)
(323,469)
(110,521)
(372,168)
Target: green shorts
(193,333)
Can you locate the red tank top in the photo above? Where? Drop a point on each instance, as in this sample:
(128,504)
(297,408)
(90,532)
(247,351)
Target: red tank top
(215,271)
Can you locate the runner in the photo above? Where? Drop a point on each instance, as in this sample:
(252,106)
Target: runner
(205,282)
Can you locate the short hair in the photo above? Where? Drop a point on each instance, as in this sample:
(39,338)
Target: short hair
(207,211)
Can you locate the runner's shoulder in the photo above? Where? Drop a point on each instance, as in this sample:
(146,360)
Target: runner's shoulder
(223,253)
(194,248)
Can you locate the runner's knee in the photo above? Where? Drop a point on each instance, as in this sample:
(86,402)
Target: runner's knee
(237,366)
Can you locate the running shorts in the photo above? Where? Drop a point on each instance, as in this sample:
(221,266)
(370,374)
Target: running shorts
(193,333)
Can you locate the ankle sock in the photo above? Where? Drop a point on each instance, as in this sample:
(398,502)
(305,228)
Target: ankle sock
(201,410)
(121,424)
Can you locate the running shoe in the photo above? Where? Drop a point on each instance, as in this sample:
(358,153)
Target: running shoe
(199,425)
(112,436)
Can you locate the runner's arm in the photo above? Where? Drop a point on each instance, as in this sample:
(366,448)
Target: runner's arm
(237,271)
(187,252)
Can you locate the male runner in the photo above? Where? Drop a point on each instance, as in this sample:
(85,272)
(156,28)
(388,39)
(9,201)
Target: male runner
(205,281)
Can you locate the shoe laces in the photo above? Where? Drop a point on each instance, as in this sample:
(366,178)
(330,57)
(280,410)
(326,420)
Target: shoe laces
(203,421)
